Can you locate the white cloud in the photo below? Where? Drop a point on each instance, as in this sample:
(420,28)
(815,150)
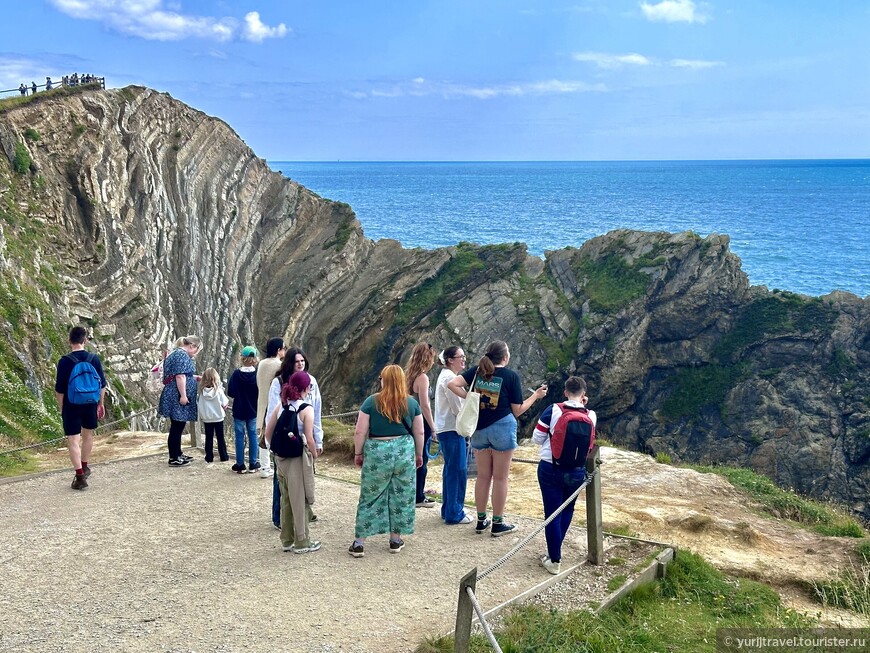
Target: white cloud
(605,60)
(164,21)
(256,31)
(673,11)
(420,87)
(696,64)
(14,70)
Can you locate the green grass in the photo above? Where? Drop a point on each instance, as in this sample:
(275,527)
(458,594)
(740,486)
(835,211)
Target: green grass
(850,590)
(697,388)
(31,134)
(776,314)
(439,294)
(21,162)
(679,614)
(344,229)
(784,504)
(611,283)
(663,458)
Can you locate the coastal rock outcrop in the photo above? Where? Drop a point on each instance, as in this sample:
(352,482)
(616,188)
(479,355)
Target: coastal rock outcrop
(148,219)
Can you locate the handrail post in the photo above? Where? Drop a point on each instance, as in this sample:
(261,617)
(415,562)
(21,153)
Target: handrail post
(464,613)
(594,525)
(194,434)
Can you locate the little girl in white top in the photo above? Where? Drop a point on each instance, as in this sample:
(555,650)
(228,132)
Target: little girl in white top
(211,405)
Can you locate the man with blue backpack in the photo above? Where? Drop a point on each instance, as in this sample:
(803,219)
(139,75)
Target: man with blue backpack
(80,389)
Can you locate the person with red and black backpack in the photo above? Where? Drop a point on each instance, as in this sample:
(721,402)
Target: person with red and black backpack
(566,433)
(80,390)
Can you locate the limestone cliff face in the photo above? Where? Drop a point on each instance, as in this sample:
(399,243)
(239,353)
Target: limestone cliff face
(153,220)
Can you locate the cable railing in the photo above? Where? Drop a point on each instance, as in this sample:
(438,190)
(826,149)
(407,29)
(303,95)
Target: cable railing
(131,423)
(468,605)
(66,81)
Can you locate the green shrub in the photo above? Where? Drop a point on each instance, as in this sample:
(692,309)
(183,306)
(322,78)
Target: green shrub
(21,162)
(696,388)
(663,458)
(31,134)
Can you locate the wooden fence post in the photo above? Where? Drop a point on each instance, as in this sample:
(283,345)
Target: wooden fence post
(464,614)
(194,434)
(594,526)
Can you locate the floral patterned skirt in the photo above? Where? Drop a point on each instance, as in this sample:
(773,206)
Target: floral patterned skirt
(387,488)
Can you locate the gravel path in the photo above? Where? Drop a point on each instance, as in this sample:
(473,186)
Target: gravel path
(152,558)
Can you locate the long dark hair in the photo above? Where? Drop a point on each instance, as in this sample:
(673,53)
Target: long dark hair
(288,365)
(496,353)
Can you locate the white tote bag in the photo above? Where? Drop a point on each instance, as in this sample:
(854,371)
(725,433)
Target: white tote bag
(466,420)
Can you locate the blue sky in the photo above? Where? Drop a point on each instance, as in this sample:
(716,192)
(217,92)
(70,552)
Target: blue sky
(479,79)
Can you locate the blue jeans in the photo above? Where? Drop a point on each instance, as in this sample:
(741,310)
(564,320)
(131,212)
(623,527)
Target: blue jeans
(454,476)
(253,448)
(556,486)
(423,470)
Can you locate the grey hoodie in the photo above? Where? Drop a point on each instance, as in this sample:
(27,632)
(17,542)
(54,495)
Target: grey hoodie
(211,404)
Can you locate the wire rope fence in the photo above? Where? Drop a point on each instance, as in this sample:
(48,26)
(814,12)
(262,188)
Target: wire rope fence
(468,604)
(130,422)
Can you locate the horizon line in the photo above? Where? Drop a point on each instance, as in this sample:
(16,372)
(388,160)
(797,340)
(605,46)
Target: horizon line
(850,159)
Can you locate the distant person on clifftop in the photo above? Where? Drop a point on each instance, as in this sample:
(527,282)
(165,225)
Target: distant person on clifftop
(295,360)
(266,371)
(22,89)
(388,445)
(178,399)
(559,478)
(454,447)
(80,391)
(494,441)
(33,87)
(48,83)
(422,360)
(242,387)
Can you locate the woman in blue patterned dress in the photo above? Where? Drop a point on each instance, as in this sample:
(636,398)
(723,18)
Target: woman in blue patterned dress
(178,399)
(388,445)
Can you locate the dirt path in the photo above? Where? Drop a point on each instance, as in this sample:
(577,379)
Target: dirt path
(152,558)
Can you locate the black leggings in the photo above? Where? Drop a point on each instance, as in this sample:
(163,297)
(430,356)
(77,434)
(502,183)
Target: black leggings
(215,430)
(173,442)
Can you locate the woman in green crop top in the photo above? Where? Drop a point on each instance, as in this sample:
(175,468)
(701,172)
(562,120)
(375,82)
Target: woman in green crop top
(388,445)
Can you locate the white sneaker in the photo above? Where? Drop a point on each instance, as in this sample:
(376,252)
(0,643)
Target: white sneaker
(553,567)
(467,519)
(266,472)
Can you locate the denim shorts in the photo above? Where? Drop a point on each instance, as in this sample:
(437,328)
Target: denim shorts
(498,436)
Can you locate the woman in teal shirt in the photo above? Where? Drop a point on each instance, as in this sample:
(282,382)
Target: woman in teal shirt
(388,445)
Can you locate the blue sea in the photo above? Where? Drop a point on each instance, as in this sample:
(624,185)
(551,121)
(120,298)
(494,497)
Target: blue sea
(797,225)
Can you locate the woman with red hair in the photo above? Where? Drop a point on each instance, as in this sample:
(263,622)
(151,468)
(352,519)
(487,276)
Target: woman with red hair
(388,445)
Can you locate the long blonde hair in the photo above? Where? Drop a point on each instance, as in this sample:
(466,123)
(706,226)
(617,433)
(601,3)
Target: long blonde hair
(210,379)
(422,359)
(392,400)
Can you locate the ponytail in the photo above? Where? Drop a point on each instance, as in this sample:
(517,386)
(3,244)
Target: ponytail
(496,353)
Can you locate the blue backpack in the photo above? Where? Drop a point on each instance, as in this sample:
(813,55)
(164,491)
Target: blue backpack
(84,382)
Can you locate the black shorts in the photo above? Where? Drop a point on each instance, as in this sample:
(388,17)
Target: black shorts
(77,417)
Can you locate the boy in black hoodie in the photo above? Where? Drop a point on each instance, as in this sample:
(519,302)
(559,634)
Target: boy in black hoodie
(242,387)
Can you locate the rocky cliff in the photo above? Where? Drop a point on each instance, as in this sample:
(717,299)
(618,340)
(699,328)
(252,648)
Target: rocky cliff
(147,219)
